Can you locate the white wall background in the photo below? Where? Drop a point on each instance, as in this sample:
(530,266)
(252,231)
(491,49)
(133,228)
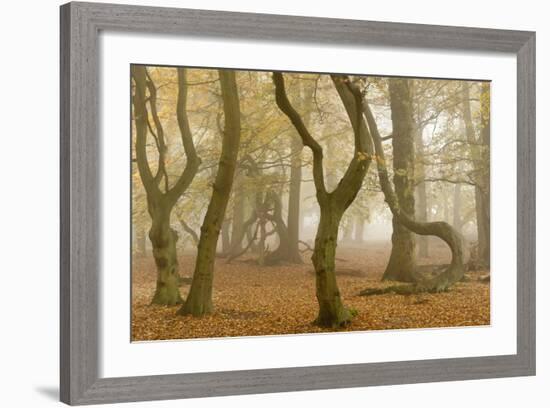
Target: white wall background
(29,203)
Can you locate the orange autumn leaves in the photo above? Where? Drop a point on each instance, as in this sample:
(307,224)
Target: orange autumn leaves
(251,301)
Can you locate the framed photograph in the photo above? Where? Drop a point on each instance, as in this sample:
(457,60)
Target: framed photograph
(260,203)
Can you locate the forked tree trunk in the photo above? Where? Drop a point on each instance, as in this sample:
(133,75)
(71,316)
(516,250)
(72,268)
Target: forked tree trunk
(199,300)
(160,204)
(332,312)
(402,260)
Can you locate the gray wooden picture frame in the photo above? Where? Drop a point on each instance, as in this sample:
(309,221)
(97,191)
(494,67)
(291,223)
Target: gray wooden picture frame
(80,192)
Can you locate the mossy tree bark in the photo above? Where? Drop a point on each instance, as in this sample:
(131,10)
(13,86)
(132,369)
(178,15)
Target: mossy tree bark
(199,300)
(402,260)
(332,312)
(160,202)
(455,271)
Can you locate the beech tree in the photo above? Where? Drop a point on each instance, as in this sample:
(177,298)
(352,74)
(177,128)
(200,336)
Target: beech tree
(455,270)
(161,197)
(332,312)
(402,262)
(199,300)
(479,151)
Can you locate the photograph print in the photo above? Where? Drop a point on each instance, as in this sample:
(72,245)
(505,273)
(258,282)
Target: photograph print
(276,203)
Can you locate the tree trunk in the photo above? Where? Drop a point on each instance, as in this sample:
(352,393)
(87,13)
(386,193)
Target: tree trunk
(160,204)
(164,238)
(237,231)
(422,202)
(402,260)
(446,210)
(483,228)
(199,300)
(332,312)
(485,190)
(455,271)
(479,151)
(457,205)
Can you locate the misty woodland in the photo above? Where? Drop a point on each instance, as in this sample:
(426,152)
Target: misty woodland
(282,203)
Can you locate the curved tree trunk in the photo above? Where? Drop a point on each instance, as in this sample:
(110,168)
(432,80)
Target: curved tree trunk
(187,228)
(160,203)
(199,300)
(402,260)
(455,271)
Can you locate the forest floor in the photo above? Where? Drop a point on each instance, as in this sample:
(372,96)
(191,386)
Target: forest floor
(251,300)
